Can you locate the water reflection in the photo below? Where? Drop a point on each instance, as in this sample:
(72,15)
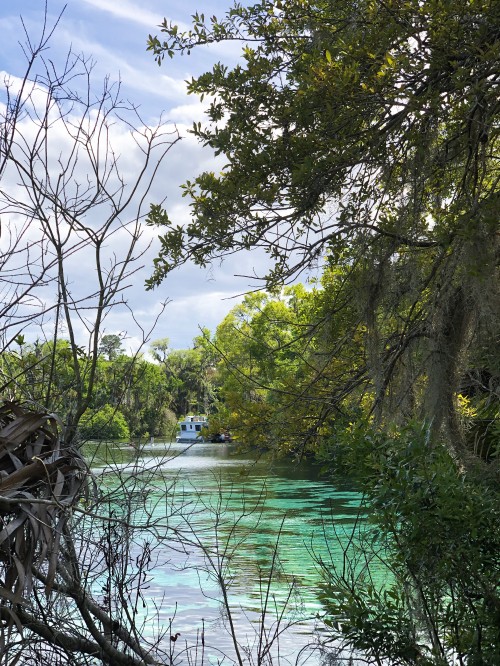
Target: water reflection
(260,523)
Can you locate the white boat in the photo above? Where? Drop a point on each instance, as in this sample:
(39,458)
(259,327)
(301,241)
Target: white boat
(190,429)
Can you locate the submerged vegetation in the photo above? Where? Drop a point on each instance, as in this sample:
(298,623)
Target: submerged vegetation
(361,139)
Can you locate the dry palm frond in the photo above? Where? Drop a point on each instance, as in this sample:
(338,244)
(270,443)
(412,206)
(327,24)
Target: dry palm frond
(40,480)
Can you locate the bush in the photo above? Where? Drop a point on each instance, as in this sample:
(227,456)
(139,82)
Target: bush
(106,423)
(441,533)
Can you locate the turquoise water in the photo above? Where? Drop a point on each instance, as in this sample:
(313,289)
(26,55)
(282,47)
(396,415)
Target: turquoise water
(261,525)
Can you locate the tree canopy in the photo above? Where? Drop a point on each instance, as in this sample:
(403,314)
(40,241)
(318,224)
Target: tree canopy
(366,132)
(110,346)
(344,121)
(365,136)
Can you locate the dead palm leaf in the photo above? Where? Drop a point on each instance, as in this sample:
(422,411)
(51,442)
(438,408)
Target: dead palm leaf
(40,480)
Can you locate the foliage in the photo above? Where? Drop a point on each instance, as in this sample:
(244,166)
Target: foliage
(106,423)
(366,135)
(369,132)
(147,394)
(260,345)
(44,373)
(139,390)
(410,79)
(443,538)
(110,346)
(188,374)
(293,366)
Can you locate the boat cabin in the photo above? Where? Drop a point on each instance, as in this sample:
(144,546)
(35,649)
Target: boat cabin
(190,429)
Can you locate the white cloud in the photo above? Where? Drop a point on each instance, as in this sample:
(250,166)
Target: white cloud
(185,316)
(141,15)
(114,34)
(186,114)
(145,79)
(128,11)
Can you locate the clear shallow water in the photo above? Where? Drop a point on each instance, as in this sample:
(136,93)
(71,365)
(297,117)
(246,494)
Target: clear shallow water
(262,524)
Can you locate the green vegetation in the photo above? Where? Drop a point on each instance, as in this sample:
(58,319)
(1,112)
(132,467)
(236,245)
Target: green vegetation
(365,136)
(360,138)
(441,540)
(368,134)
(188,373)
(130,396)
(106,423)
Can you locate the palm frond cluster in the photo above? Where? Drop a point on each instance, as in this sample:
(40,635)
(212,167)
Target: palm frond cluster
(40,481)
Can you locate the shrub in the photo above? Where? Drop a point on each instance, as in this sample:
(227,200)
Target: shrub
(106,423)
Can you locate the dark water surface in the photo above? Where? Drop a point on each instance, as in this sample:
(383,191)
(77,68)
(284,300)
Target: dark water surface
(263,525)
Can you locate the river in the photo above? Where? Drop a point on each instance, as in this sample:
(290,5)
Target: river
(262,524)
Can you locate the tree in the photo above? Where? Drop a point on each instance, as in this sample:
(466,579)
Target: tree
(110,346)
(106,423)
(76,207)
(188,374)
(160,349)
(370,128)
(186,382)
(366,135)
(264,347)
(140,390)
(65,202)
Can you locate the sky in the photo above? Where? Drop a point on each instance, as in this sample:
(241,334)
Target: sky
(114,34)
